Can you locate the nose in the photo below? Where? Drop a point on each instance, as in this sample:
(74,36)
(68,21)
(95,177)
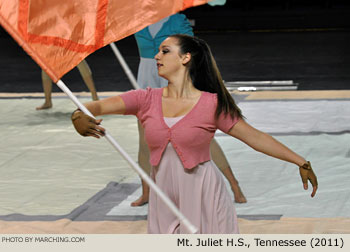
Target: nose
(156,57)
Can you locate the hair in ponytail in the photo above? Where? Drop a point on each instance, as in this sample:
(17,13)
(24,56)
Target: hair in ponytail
(205,74)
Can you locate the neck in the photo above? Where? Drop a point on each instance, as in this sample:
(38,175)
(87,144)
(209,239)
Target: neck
(181,88)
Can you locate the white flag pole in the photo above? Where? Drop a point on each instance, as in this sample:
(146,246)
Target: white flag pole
(133,164)
(124,65)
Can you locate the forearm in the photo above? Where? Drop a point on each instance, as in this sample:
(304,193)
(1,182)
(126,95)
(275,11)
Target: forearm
(111,105)
(272,147)
(94,107)
(264,143)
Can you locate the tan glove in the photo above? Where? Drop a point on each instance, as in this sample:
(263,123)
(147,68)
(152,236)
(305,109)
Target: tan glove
(306,174)
(86,125)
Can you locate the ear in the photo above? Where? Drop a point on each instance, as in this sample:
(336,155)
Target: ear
(186,58)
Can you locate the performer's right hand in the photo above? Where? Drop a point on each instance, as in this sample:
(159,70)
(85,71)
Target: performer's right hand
(86,125)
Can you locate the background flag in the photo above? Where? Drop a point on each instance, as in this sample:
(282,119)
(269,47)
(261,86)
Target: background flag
(58,34)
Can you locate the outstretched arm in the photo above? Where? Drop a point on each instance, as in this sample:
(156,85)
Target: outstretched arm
(268,145)
(264,143)
(111,105)
(88,126)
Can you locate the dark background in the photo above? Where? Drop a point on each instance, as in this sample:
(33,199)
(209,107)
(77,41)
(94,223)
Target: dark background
(304,41)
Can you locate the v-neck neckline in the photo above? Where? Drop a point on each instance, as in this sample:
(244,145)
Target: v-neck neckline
(183,116)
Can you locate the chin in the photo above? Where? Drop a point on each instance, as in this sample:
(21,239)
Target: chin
(162,75)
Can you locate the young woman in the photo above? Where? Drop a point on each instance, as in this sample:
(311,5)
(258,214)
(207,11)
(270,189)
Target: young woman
(180,121)
(148,41)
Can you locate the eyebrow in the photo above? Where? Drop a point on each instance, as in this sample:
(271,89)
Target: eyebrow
(163,47)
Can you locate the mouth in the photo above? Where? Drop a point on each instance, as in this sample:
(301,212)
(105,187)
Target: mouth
(159,65)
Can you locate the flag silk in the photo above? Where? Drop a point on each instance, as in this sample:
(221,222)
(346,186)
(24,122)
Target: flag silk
(58,34)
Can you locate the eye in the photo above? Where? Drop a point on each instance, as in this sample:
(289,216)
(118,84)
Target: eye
(165,51)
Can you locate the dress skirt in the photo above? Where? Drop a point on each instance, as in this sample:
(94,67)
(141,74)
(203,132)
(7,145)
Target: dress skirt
(199,193)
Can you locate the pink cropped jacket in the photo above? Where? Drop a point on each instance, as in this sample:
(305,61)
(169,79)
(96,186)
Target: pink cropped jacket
(191,136)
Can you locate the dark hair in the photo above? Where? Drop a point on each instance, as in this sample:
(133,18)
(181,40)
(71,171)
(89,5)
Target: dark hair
(205,74)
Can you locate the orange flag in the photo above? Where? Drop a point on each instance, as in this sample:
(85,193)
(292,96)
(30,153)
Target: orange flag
(58,34)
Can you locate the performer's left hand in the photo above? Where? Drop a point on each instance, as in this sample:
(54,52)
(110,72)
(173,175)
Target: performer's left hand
(306,174)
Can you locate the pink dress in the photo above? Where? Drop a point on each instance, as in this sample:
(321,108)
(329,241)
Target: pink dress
(199,193)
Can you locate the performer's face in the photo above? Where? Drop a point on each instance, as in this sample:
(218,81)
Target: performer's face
(169,59)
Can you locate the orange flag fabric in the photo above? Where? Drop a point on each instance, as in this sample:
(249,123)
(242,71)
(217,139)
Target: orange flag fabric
(58,34)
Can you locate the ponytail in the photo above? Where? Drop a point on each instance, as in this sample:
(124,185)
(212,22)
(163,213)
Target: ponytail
(205,74)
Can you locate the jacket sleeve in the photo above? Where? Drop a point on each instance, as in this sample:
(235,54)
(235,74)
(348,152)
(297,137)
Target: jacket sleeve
(225,122)
(135,101)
